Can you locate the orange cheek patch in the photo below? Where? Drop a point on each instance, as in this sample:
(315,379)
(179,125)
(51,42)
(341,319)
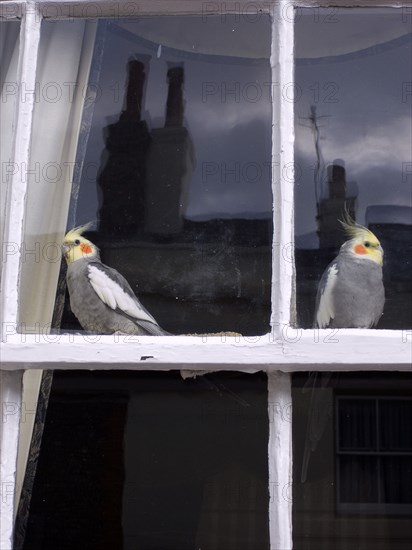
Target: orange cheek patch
(86,248)
(360,249)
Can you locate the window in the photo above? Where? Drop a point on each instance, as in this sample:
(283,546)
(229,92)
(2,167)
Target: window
(202,479)
(169,161)
(373,439)
(350,100)
(352,462)
(256,325)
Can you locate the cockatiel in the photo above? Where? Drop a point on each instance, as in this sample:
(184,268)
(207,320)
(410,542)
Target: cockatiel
(351,292)
(350,295)
(100,296)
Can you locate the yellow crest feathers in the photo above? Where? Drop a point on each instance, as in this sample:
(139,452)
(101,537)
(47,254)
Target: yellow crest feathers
(78,231)
(355,230)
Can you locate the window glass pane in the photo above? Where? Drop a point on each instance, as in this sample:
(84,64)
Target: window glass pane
(347,492)
(357,424)
(9,90)
(353,147)
(173,164)
(397,479)
(358,475)
(396,430)
(148,460)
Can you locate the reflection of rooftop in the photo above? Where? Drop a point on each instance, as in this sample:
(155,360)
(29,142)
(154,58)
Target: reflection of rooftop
(388,214)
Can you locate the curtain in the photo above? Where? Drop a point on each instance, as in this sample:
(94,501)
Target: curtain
(65,53)
(9,50)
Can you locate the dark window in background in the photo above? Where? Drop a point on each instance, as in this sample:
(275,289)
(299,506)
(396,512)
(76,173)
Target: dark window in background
(352,461)
(175,156)
(151,461)
(374,454)
(353,145)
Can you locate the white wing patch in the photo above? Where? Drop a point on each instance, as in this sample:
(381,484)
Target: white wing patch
(326,307)
(115,297)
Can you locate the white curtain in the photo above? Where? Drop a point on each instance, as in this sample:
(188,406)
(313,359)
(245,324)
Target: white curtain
(65,54)
(9,51)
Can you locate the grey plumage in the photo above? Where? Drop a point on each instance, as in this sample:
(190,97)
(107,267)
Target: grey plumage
(125,314)
(352,288)
(100,296)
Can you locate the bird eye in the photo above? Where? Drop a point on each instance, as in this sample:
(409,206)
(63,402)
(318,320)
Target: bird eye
(367,244)
(77,242)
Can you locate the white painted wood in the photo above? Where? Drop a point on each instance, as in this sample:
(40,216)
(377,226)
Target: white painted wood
(136,8)
(351,3)
(57,9)
(14,226)
(10,401)
(13,237)
(282,63)
(280,460)
(293,350)
(11,11)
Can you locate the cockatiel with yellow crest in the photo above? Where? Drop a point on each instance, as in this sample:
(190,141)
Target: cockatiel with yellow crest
(100,296)
(351,292)
(350,295)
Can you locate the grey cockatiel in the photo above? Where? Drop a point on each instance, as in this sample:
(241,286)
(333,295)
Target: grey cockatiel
(350,295)
(100,296)
(351,292)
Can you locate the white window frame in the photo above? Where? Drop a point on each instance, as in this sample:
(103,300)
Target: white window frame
(284,350)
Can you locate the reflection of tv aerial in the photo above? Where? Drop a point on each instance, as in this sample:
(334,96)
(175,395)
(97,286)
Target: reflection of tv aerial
(319,170)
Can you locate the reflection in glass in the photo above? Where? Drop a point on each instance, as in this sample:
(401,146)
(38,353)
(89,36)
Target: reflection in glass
(151,461)
(173,163)
(393,435)
(353,146)
(357,424)
(357,476)
(349,489)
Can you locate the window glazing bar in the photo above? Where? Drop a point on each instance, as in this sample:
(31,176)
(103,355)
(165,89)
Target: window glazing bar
(14,239)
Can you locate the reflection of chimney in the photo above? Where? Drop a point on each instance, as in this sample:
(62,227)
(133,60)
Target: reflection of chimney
(336,181)
(134,94)
(331,209)
(174,106)
(123,172)
(170,165)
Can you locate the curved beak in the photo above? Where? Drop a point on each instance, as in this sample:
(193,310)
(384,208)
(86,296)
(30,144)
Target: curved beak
(65,250)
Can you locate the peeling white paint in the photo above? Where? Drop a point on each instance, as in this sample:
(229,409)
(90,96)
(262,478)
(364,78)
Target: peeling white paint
(280,461)
(14,230)
(282,157)
(293,350)
(10,399)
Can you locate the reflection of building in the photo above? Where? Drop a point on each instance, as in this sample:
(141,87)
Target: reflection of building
(331,209)
(122,179)
(146,177)
(393,226)
(170,165)
(193,276)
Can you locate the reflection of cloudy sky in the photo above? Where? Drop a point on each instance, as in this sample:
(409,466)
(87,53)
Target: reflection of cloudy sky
(352,67)
(231,132)
(368,124)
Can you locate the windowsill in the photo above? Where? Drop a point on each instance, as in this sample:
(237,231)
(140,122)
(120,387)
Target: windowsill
(290,350)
